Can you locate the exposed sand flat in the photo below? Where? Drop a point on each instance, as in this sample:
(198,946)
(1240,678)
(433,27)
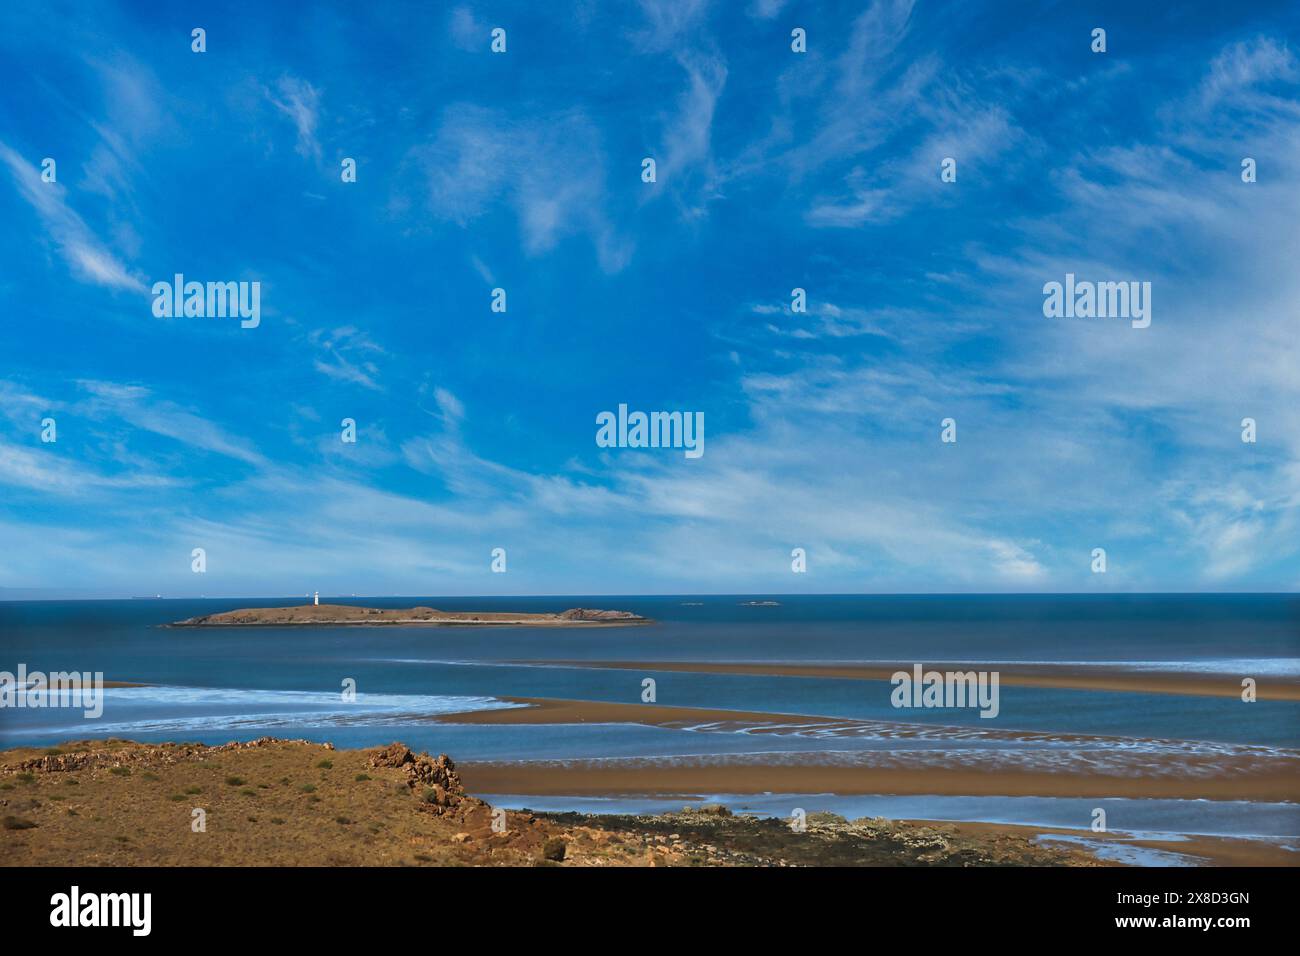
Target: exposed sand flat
(1070,677)
(549,710)
(1256,781)
(1087,767)
(347,615)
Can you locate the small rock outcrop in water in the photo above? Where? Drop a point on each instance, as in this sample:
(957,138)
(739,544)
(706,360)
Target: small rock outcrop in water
(590,614)
(443,789)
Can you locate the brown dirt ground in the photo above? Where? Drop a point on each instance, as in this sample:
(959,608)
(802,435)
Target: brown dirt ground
(287,803)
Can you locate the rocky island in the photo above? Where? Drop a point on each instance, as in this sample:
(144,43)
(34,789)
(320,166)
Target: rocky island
(344,614)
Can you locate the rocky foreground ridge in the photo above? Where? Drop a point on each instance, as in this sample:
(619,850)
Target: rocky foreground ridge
(292,802)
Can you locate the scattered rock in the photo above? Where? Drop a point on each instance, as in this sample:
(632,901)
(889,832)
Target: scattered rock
(443,790)
(825,818)
(155,756)
(394,755)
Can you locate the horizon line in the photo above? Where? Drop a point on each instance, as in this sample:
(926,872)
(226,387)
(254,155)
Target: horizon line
(656,594)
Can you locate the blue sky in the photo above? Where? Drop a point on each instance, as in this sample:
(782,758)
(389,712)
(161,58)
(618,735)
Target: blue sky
(775,170)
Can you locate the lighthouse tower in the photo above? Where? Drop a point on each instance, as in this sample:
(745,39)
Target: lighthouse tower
(316,598)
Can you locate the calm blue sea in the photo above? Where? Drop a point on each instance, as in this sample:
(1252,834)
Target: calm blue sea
(214,685)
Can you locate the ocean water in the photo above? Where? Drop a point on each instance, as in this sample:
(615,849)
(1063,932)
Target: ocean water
(214,685)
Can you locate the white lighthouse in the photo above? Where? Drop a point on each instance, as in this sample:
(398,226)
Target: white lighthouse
(316,598)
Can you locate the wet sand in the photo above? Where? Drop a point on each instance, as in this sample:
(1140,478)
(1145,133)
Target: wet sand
(550,710)
(1204,850)
(1068,677)
(1247,775)
(1258,781)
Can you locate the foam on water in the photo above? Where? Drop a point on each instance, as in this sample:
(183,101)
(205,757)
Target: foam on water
(165,709)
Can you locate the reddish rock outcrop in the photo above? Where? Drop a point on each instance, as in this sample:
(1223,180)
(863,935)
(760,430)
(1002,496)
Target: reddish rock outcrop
(435,777)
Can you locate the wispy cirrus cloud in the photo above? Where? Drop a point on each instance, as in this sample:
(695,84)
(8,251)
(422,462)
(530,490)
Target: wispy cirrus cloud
(665,22)
(1250,66)
(52,474)
(348,355)
(776,169)
(468,32)
(137,406)
(89,258)
(686,166)
(549,170)
(298,100)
